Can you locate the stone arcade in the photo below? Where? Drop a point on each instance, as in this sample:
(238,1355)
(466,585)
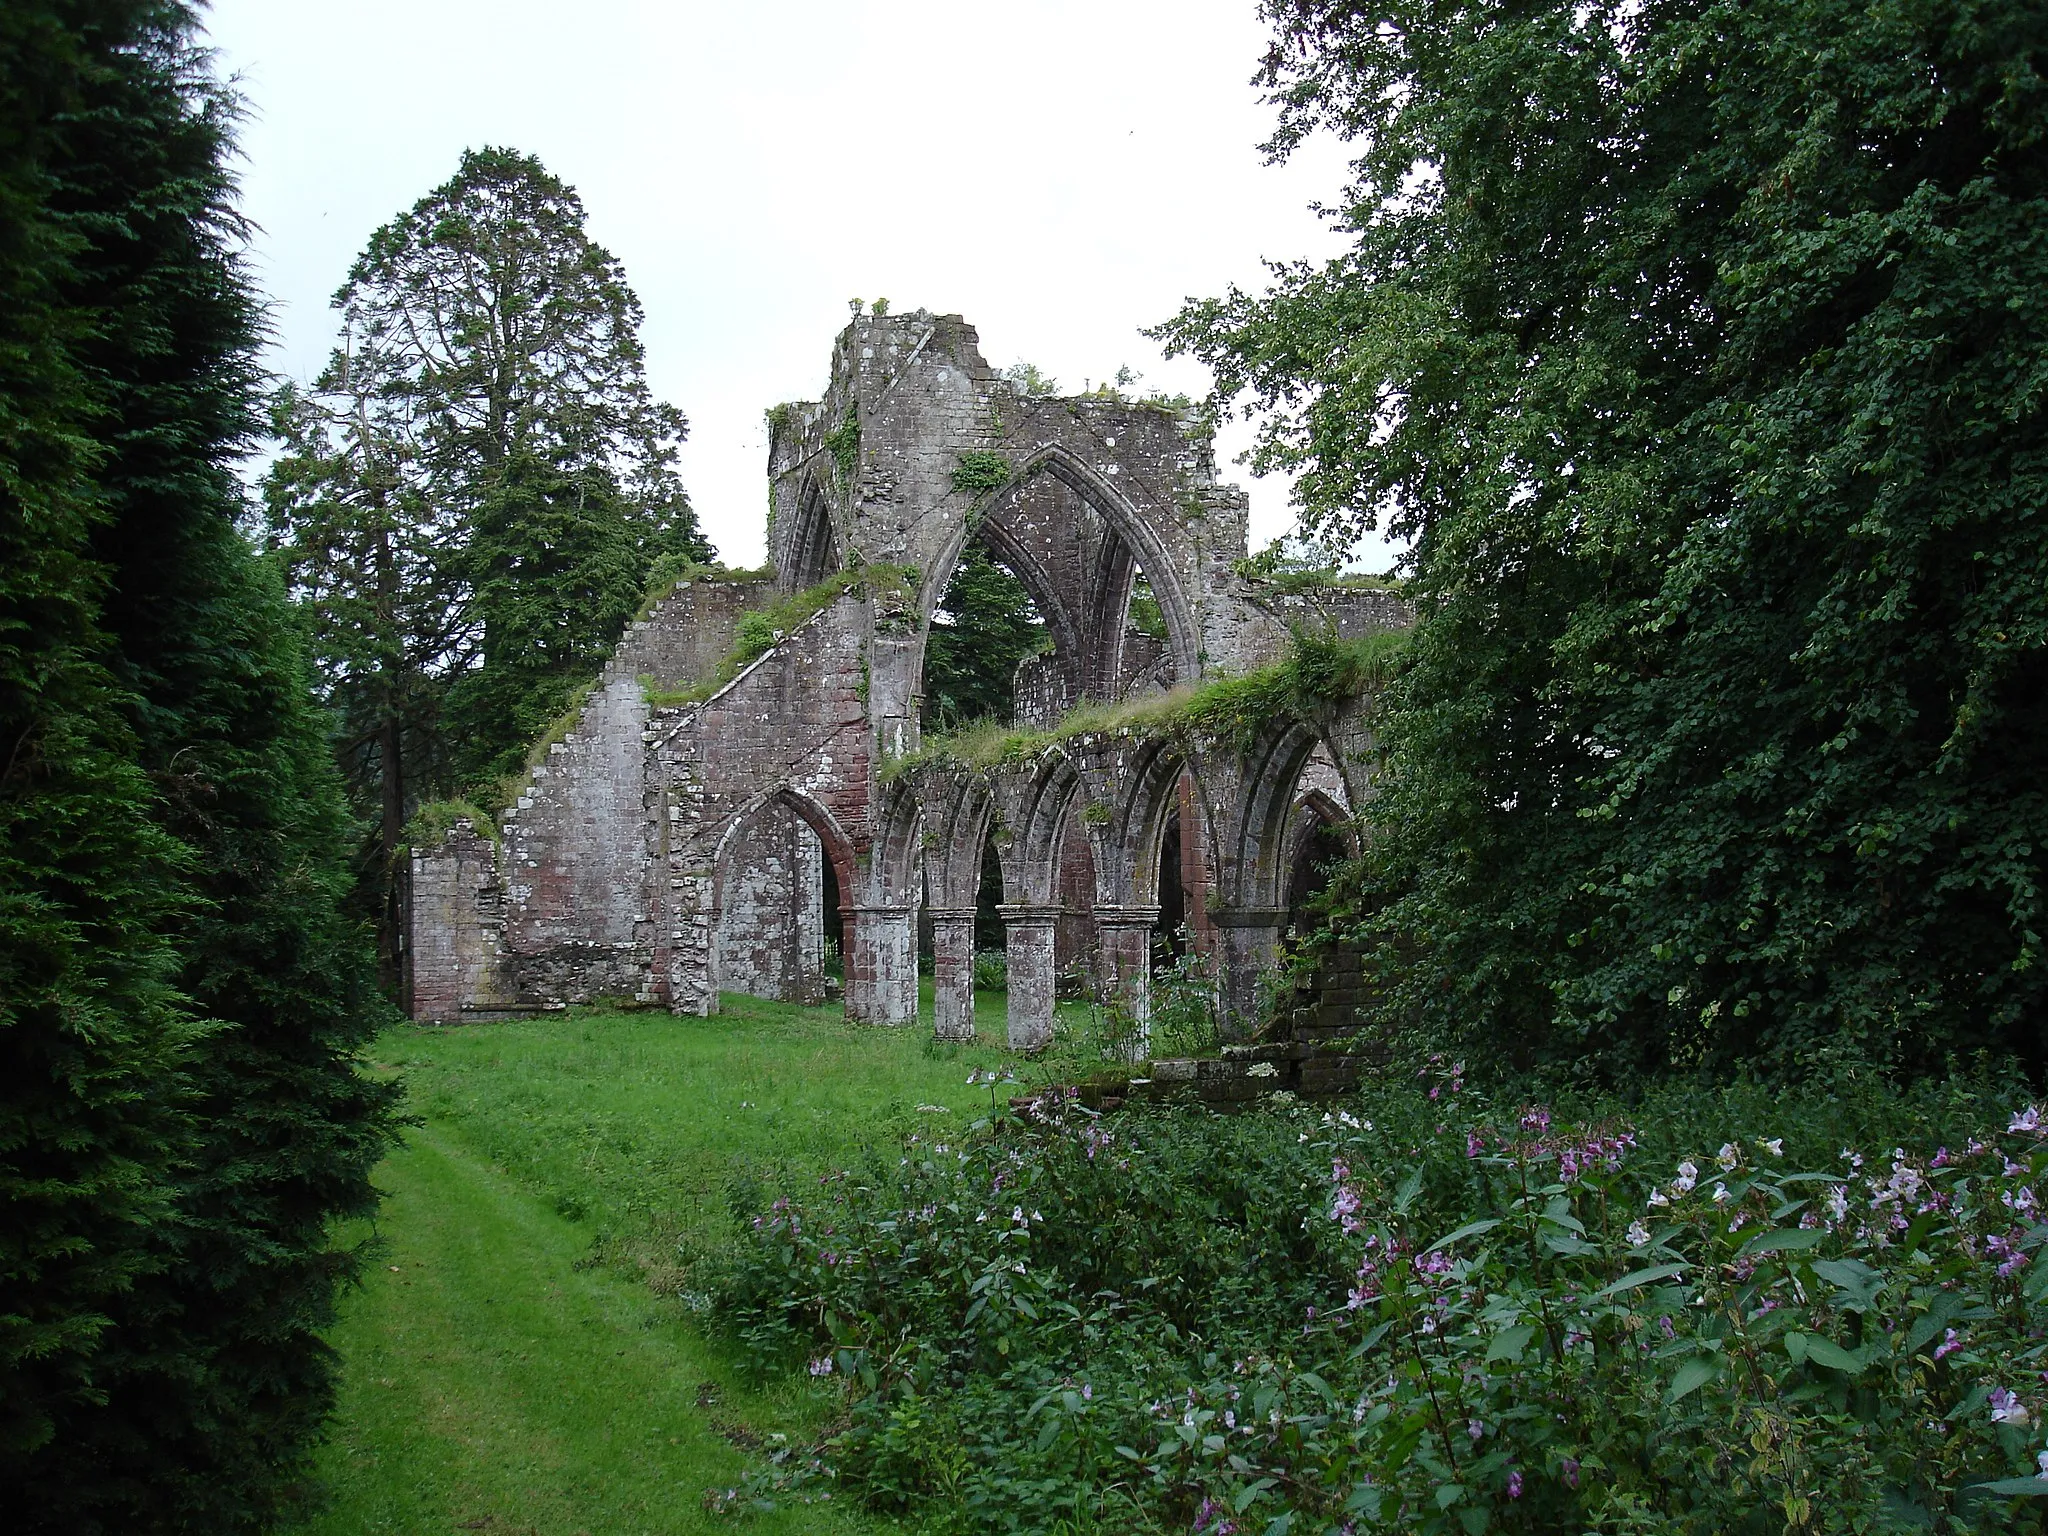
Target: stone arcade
(665,854)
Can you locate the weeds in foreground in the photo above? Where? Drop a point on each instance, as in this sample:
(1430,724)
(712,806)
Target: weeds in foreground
(1431,1312)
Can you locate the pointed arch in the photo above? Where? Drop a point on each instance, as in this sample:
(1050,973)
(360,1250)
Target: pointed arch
(1258,843)
(1183,629)
(957,814)
(1034,801)
(1145,549)
(810,553)
(895,864)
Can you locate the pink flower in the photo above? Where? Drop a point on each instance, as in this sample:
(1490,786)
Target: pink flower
(1515,1484)
(1949,1345)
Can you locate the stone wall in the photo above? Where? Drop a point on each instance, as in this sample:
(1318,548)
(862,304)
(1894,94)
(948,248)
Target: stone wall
(771,911)
(457,925)
(790,729)
(660,852)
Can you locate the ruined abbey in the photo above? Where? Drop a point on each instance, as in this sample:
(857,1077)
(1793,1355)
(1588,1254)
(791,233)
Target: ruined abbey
(696,834)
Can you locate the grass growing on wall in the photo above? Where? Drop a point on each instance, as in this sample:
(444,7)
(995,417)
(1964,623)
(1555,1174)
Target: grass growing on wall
(1315,672)
(761,629)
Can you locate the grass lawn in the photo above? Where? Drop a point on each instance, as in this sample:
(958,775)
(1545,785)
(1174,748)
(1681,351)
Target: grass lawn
(518,1359)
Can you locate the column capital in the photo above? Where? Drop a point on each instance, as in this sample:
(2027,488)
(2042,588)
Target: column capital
(1029,912)
(1126,916)
(886,909)
(950,914)
(1249,917)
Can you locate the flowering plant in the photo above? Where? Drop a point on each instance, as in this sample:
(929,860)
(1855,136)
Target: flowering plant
(1427,1314)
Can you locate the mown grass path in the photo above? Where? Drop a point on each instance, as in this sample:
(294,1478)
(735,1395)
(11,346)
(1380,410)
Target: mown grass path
(518,1360)
(489,1384)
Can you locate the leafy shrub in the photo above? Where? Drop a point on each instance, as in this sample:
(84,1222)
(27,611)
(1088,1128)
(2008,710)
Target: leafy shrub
(1184,1004)
(1432,1313)
(992,970)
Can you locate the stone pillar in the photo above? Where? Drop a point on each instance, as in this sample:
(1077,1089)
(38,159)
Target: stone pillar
(881,967)
(952,972)
(1194,867)
(456,919)
(1032,933)
(1247,938)
(1124,967)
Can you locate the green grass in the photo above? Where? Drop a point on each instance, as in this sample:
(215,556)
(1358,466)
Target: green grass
(521,1357)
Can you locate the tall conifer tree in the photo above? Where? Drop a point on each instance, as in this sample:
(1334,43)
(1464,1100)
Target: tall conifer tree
(185,1118)
(474,492)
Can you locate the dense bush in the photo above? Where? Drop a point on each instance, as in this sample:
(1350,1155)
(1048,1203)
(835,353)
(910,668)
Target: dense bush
(1696,350)
(1430,1312)
(181,999)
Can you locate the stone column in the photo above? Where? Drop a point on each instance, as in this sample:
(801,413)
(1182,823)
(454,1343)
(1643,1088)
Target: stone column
(1032,933)
(1124,967)
(952,972)
(1247,940)
(881,966)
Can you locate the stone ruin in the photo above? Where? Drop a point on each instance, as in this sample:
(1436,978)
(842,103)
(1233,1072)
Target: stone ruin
(664,852)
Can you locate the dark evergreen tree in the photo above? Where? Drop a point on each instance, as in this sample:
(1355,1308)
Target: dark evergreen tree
(93,1041)
(984,625)
(1700,349)
(490,370)
(556,578)
(185,1001)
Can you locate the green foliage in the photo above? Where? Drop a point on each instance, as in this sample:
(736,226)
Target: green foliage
(180,1111)
(544,546)
(991,970)
(1424,1311)
(1145,614)
(435,819)
(1030,381)
(983,628)
(843,443)
(979,471)
(1185,1006)
(475,492)
(1698,349)
(1318,671)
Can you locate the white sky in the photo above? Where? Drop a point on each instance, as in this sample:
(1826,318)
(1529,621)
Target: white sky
(1061,173)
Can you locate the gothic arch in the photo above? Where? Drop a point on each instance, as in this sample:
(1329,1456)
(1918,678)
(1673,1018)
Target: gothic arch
(957,813)
(896,857)
(811,551)
(1034,803)
(1256,860)
(1147,549)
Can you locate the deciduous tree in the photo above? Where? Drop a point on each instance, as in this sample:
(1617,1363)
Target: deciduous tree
(1699,349)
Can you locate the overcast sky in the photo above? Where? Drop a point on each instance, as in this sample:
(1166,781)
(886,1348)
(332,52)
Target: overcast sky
(1060,173)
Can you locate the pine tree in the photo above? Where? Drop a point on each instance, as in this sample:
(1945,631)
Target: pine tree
(189,1120)
(984,627)
(490,371)
(93,1042)
(556,576)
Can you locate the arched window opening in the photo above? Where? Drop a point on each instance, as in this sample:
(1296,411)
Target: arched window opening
(984,628)
(1318,850)
(1183,889)
(776,906)
(1145,658)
